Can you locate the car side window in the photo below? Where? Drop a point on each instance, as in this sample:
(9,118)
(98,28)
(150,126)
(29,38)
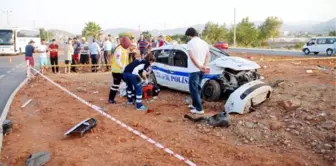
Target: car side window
(163,57)
(180,59)
(321,41)
(330,41)
(156,53)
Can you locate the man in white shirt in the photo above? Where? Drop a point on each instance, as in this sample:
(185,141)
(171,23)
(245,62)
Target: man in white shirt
(199,57)
(94,54)
(42,50)
(107,52)
(84,52)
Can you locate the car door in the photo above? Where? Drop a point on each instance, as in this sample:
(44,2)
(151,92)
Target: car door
(321,45)
(161,67)
(312,45)
(178,70)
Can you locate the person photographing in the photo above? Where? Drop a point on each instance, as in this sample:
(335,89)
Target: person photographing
(135,75)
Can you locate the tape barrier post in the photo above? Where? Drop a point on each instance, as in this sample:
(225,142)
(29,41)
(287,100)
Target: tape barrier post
(99,110)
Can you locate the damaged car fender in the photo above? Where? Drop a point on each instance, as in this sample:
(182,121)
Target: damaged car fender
(248,95)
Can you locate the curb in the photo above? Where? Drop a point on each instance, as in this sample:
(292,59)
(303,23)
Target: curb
(6,109)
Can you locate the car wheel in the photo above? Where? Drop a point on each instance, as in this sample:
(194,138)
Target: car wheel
(316,53)
(306,51)
(152,79)
(211,90)
(330,52)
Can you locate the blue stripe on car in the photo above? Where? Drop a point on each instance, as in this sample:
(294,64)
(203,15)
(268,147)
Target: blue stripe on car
(185,74)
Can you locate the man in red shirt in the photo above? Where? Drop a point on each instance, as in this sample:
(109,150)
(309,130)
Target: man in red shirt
(161,41)
(53,49)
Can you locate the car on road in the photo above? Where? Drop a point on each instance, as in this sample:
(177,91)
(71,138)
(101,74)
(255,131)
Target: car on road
(226,73)
(221,45)
(320,44)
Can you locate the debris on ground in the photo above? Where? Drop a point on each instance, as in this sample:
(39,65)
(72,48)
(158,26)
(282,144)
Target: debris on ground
(221,119)
(7,126)
(82,127)
(309,71)
(26,103)
(81,89)
(38,159)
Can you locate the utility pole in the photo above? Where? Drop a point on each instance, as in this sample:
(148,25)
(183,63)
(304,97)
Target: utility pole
(34,24)
(234,27)
(7,15)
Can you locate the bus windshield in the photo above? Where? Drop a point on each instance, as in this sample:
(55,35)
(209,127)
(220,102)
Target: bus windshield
(6,37)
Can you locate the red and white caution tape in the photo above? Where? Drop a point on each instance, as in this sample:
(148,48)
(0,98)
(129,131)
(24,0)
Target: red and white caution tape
(98,109)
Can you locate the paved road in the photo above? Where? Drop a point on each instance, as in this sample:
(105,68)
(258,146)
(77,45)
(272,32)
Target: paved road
(272,52)
(11,75)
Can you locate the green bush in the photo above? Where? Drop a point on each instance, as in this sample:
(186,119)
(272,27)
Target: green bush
(299,45)
(128,34)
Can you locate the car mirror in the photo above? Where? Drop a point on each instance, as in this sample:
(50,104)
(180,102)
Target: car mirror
(313,43)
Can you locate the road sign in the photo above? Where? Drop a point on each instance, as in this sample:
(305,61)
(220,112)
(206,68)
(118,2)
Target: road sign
(168,39)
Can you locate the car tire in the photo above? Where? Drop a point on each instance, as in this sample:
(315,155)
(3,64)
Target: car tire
(152,79)
(211,91)
(306,51)
(316,53)
(330,52)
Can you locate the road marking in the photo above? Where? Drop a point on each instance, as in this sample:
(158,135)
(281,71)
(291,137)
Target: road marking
(2,76)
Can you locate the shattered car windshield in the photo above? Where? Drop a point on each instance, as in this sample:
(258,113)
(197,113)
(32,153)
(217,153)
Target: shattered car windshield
(216,53)
(6,37)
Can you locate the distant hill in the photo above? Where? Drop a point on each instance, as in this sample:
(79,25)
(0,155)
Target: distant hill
(325,26)
(60,34)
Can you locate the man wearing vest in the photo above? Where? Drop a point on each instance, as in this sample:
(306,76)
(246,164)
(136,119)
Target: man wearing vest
(119,61)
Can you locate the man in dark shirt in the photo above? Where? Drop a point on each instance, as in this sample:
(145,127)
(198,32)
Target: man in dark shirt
(29,51)
(53,49)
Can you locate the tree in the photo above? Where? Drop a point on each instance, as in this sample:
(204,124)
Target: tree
(146,34)
(180,38)
(270,28)
(44,34)
(91,29)
(213,32)
(128,34)
(246,33)
(332,33)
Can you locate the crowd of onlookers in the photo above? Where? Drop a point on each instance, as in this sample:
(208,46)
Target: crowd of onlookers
(128,60)
(77,51)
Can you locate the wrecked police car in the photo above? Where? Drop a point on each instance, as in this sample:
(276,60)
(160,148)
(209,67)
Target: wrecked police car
(226,73)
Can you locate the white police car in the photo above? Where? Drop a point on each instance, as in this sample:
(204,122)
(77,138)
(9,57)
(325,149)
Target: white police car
(227,73)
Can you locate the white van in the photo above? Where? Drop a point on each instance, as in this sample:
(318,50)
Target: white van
(320,44)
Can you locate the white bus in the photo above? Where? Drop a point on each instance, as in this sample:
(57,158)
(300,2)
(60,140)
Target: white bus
(14,40)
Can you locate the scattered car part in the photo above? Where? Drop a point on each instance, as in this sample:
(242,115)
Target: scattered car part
(26,103)
(247,96)
(7,126)
(38,159)
(82,127)
(221,119)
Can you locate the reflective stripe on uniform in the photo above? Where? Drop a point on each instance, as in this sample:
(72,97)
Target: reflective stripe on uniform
(138,101)
(139,97)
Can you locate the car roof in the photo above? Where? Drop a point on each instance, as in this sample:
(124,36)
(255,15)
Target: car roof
(171,46)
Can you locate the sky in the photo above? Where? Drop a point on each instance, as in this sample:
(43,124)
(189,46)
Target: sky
(71,15)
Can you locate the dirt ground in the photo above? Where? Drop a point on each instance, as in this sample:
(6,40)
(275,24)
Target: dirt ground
(295,127)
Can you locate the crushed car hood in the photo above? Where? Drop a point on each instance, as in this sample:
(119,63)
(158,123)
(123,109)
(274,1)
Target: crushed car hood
(235,63)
